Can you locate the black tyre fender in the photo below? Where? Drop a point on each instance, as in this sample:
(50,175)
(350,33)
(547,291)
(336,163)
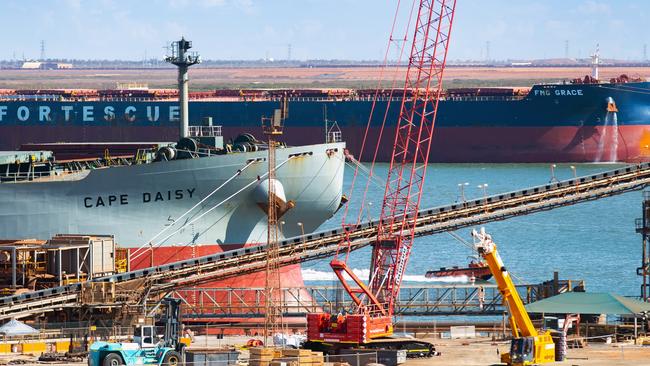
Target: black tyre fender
(245,137)
(172,358)
(180,348)
(112,359)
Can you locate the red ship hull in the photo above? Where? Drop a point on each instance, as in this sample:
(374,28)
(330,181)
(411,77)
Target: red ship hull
(520,144)
(204,305)
(451,144)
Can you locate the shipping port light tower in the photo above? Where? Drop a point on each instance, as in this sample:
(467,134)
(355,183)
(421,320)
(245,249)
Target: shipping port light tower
(273,320)
(370,322)
(183,60)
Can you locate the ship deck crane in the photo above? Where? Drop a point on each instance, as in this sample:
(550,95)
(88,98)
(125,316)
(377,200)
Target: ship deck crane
(370,323)
(528,346)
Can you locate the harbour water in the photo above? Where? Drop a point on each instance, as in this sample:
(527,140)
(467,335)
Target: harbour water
(594,241)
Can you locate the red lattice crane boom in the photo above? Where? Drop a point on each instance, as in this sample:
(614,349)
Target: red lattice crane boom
(392,247)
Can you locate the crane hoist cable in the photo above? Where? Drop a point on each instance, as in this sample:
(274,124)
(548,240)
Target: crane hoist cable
(136,253)
(396,228)
(376,97)
(257,180)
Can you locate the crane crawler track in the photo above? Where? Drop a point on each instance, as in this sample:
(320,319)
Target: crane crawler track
(322,244)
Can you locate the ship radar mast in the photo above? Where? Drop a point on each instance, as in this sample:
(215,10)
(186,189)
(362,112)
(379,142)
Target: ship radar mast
(595,61)
(183,60)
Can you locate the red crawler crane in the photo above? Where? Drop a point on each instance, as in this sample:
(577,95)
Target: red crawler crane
(373,318)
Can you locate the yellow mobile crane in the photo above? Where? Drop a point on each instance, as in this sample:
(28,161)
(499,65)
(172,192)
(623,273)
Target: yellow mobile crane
(528,347)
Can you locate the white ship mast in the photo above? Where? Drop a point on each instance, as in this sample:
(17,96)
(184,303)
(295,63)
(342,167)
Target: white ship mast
(595,60)
(183,60)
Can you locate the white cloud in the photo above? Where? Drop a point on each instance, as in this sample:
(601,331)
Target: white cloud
(594,7)
(73,4)
(247,6)
(212,3)
(177,3)
(241,4)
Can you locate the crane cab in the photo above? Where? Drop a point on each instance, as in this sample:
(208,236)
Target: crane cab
(530,350)
(521,351)
(145,336)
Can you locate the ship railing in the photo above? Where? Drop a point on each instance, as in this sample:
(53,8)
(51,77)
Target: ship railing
(128,99)
(379,99)
(298,99)
(333,99)
(60,98)
(485,98)
(205,131)
(33,98)
(22,176)
(334,136)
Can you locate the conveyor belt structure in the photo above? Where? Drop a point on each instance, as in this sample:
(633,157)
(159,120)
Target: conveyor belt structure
(165,278)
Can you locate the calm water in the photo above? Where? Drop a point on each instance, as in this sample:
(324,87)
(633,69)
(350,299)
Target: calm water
(594,241)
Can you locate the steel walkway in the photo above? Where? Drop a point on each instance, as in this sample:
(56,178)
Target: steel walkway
(222,304)
(165,278)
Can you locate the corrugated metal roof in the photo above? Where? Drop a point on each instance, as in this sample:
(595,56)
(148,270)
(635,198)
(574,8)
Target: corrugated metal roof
(588,303)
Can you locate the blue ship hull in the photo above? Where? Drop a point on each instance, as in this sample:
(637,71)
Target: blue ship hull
(552,123)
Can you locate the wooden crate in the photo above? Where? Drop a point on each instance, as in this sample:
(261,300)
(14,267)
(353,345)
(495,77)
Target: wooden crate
(265,354)
(266,351)
(296,353)
(317,357)
(252,362)
(283,363)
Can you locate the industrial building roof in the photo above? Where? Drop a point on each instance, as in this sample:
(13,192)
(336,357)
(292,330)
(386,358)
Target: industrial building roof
(588,303)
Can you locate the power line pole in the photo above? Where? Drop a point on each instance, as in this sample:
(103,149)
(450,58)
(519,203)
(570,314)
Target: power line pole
(566,49)
(42,50)
(645,52)
(289,52)
(398,47)
(487,51)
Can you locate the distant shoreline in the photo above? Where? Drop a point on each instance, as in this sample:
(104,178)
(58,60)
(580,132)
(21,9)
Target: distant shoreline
(362,77)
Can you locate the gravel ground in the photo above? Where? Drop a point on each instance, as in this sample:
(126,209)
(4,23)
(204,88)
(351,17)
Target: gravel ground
(476,352)
(482,353)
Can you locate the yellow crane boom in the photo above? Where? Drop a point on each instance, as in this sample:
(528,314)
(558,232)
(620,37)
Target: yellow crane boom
(528,346)
(521,324)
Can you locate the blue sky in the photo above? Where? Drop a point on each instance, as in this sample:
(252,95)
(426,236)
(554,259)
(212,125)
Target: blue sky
(327,29)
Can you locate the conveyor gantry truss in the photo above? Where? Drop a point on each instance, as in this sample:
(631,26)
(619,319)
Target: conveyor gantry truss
(164,279)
